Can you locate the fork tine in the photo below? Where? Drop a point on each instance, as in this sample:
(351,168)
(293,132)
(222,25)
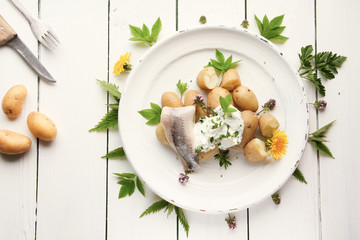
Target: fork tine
(53,39)
(46,42)
(53,35)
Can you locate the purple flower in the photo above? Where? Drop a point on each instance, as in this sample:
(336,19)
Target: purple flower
(198,99)
(231,222)
(270,104)
(183,178)
(320,105)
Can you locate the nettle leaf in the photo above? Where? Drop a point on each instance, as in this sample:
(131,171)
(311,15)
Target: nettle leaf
(126,175)
(153,114)
(271,29)
(111,88)
(116,153)
(155,207)
(182,218)
(109,121)
(322,131)
(322,148)
(299,175)
(140,186)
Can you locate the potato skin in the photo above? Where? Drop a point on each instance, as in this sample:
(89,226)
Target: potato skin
(209,154)
(13,143)
(245,99)
(207,78)
(41,126)
(214,95)
(160,134)
(268,124)
(189,101)
(255,150)
(230,80)
(171,99)
(13,100)
(250,126)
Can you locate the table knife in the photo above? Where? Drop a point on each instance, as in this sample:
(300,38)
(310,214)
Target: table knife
(10,38)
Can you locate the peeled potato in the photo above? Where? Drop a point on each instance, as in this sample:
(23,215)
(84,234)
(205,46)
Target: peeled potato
(189,100)
(250,127)
(209,154)
(13,143)
(171,99)
(268,124)
(160,134)
(207,78)
(13,100)
(245,99)
(230,80)
(41,126)
(255,150)
(214,96)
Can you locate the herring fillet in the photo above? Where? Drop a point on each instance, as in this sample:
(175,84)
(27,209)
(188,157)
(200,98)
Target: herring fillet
(179,130)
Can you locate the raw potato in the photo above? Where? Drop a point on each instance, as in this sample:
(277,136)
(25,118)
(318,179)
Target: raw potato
(13,143)
(250,127)
(41,126)
(255,150)
(214,95)
(160,134)
(189,100)
(230,80)
(268,124)
(171,99)
(245,99)
(209,154)
(13,100)
(207,78)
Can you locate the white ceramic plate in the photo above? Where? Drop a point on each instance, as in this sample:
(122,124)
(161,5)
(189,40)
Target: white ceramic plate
(212,189)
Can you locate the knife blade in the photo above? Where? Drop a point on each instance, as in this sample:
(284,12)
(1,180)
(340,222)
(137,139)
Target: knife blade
(9,37)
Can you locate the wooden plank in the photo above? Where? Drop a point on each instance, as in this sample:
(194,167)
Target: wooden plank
(340,193)
(72,177)
(123,214)
(299,206)
(18,173)
(204,226)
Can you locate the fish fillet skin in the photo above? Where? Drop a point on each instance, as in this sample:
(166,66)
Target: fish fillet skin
(179,130)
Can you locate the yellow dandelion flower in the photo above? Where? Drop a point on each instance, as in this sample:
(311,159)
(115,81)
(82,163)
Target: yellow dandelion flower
(277,144)
(122,65)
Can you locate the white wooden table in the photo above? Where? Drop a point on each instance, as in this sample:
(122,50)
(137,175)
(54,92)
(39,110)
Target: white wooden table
(64,190)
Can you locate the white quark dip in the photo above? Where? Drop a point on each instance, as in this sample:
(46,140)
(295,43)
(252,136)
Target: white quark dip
(222,130)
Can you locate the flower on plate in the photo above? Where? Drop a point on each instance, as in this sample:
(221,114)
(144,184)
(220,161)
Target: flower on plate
(231,222)
(269,105)
(123,64)
(277,144)
(183,178)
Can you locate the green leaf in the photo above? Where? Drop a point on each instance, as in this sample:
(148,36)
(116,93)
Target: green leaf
(322,148)
(225,102)
(155,207)
(154,121)
(136,31)
(111,88)
(169,209)
(153,114)
(182,88)
(272,29)
(155,30)
(322,131)
(145,30)
(317,83)
(182,218)
(299,175)
(126,175)
(220,56)
(131,188)
(109,121)
(116,153)
(113,105)
(223,157)
(327,63)
(148,113)
(128,188)
(221,65)
(156,108)
(140,186)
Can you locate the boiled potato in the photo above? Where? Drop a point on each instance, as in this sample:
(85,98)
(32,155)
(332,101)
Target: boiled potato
(189,100)
(160,134)
(41,126)
(171,99)
(250,127)
(255,150)
(12,143)
(214,96)
(207,78)
(268,124)
(245,99)
(13,100)
(209,154)
(230,80)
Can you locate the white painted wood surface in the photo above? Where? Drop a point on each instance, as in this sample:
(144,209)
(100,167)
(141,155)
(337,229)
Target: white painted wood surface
(64,190)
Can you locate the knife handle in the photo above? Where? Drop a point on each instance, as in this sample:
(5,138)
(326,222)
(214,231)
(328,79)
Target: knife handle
(6,32)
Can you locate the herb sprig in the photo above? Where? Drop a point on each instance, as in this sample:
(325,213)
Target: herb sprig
(222,65)
(152,114)
(326,63)
(144,35)
(317,139)
(225,104)
(182,88)
(116,153)
(299,176)
(272,29)
(223,157)
(169,208)
(128,181)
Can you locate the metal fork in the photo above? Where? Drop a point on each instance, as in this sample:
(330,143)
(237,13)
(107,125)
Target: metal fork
(42,31)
